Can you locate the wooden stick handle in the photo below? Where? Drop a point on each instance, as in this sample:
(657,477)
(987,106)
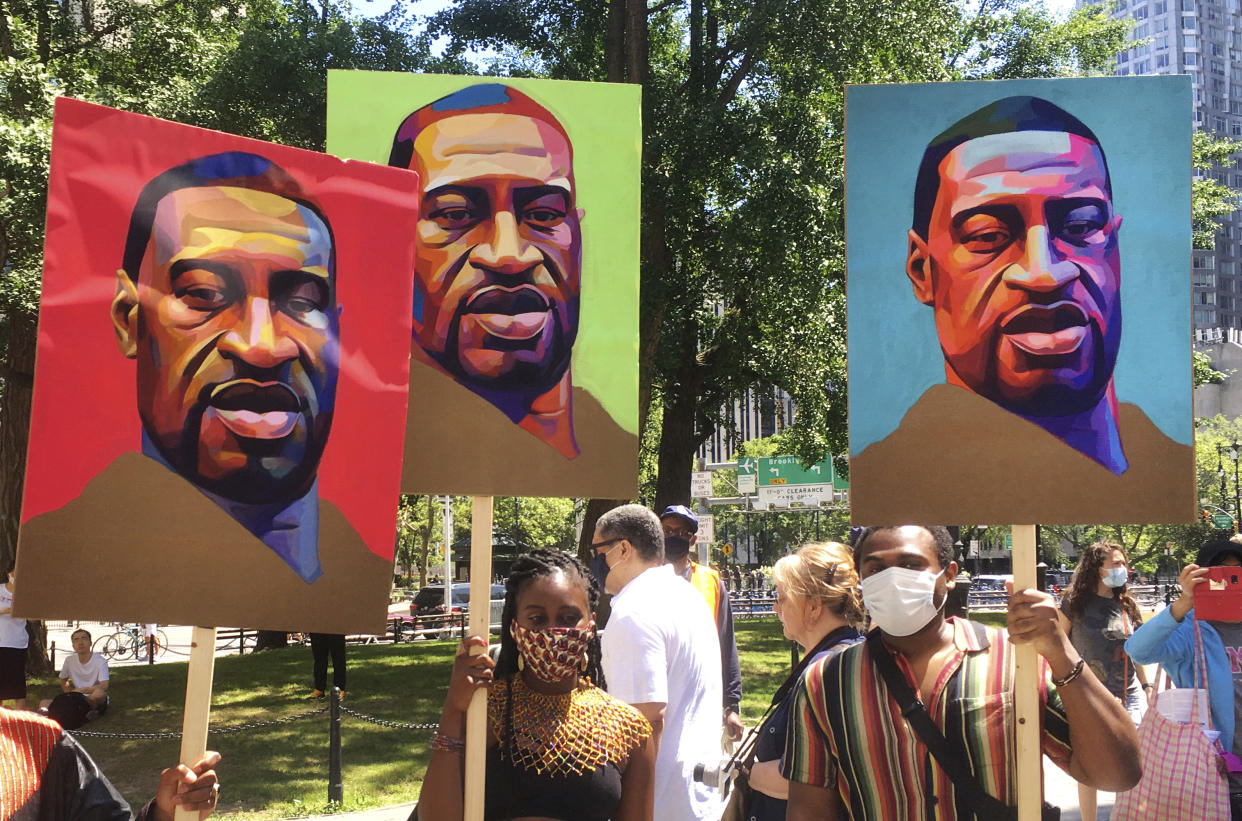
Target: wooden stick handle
(480,619)
(1026,689)
(197,703)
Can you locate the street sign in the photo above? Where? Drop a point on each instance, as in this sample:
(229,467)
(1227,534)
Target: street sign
(701,484)
(775,471)
(746,474)
(1223,521)
(726,549)
(1009,541)
(793,496)
(707,529)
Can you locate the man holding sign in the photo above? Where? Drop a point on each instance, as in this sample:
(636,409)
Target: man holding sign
(848,733)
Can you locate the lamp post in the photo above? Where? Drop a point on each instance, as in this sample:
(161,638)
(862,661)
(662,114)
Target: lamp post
(1237,497)
(1220,474)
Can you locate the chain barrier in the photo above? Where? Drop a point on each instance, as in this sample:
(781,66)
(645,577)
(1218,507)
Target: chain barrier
(233,728)
(383,722)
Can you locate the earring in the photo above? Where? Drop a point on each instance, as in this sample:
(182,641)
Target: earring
(521,663)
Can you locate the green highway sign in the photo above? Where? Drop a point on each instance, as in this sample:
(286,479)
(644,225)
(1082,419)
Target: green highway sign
(1223,521)
(775,471)
(1009,541)
(747,465)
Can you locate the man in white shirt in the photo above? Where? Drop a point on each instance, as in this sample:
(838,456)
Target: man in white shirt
(661,654)
(86,673)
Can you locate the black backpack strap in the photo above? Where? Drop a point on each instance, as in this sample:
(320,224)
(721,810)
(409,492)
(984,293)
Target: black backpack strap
(984,804)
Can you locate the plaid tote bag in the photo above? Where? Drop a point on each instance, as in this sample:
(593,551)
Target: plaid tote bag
(1183,774)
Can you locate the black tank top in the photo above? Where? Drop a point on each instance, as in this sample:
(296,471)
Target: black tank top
(516,792)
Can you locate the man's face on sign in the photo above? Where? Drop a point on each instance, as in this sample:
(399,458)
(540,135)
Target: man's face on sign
(1022,266)
(234,325)
(498,250)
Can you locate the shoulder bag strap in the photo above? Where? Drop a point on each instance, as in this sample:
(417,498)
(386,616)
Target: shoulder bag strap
(985,805)
(745,751)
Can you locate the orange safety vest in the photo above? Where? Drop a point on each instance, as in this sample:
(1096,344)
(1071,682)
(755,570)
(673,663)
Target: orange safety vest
(707,581)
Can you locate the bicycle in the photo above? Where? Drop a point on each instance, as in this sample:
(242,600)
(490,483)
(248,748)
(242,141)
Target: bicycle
(129,641)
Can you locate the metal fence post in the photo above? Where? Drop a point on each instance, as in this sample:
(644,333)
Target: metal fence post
(336,790)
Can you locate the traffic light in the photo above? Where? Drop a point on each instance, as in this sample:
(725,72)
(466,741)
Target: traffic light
(1207,516)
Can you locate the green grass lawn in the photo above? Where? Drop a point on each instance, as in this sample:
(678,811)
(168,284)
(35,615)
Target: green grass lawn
(282,771)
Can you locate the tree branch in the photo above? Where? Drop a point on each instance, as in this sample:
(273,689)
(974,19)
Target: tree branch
(99,34)
(735,80)
(658,7)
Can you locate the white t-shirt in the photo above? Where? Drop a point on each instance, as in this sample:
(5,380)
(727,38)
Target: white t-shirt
(12,631)
(85,675)
(660,645)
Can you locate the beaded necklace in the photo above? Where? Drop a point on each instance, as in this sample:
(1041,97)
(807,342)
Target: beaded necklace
(565,733)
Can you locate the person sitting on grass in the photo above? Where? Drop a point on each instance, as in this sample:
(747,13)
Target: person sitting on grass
(48,777)
(83,684)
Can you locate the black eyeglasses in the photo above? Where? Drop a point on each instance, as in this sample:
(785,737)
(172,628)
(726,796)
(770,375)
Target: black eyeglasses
(597,546)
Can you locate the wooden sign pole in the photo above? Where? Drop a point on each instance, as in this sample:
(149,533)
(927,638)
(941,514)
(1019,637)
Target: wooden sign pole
(480,619)
(1026,689)
(197,703)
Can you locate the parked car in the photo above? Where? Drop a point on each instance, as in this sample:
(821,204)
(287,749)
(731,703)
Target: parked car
(429,601)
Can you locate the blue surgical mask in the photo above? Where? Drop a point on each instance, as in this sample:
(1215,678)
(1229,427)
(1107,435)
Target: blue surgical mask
(1116,576)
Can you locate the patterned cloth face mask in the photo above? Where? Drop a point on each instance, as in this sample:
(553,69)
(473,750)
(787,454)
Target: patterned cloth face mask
(554,653)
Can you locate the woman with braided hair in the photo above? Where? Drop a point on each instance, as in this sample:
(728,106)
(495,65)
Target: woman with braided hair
(1099,614)
(559,747)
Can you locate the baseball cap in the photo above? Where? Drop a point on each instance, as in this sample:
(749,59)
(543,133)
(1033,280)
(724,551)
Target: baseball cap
(684,512)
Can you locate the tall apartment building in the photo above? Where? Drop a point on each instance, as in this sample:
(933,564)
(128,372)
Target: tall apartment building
(1202,38)
(758,413)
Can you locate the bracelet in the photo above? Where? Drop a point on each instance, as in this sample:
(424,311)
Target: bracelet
(443,743)
(1072,674)
(1147,686)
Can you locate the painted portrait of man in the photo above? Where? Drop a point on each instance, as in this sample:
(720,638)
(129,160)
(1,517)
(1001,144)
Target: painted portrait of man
(225,302)
(1016,245)
(508,393)
(498,252)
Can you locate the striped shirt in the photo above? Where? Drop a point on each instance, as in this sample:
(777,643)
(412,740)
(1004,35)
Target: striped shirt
(846,731)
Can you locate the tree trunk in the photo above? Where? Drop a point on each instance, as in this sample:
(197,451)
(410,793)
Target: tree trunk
(38,662)
(18,373)
(636,42)
(426,554)
(678,439)
(615,47)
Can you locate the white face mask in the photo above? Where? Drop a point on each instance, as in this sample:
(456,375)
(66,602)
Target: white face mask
(901,601)
(1116,576)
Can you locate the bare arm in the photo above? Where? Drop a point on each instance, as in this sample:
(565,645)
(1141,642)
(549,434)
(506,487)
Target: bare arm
(765,776)
(441,798)
(653,711)
(1102,736)
(808,803)
(638,785)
